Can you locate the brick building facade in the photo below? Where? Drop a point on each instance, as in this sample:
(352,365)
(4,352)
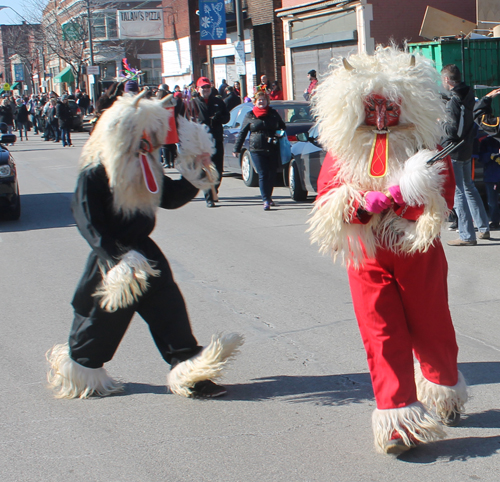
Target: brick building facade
(314,32)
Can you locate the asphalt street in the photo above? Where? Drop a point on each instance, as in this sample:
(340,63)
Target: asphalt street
(299,398)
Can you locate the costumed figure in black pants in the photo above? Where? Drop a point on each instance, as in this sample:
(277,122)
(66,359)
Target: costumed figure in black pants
(119,189)
(262,122)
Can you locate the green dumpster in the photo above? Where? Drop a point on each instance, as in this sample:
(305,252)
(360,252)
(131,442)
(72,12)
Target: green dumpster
(480,65)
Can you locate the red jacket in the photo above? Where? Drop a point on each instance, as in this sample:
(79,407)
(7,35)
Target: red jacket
(276,95)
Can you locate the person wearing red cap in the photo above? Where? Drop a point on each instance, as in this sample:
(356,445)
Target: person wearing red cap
(211,111)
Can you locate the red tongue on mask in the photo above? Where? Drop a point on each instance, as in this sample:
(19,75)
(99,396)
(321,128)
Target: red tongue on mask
(148,174)
(379,155)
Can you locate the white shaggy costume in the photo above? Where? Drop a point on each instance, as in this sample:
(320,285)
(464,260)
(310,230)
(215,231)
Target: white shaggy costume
(396,264)
(120,187)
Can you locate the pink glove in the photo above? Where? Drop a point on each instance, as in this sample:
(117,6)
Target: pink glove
(376,201)
(396,195)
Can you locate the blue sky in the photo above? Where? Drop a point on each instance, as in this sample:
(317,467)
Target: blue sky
(8,17)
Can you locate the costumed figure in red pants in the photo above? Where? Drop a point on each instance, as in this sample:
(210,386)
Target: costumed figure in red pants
(120,187)
(380,209)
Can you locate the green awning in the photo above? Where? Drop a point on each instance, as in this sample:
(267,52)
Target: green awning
(66,75)
(15,86)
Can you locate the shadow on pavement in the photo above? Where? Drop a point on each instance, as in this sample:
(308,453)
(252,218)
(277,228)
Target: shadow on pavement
(486,419)
(133,388)
(320,390)
(42,211)
(480,373)
(460,449)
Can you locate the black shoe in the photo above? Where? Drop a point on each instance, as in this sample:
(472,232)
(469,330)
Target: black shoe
(207,389)
(494,226)
(453,226)
(210,204)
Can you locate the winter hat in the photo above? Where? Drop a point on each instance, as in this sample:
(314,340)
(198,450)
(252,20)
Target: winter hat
(202,81)
(131,86)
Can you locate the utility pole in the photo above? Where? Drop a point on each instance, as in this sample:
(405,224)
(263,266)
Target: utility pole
(93,96)
(241,38)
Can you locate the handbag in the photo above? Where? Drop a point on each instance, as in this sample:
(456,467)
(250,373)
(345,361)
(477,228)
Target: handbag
(285,147)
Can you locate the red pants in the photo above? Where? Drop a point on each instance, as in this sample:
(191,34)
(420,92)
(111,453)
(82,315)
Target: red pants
(401,304)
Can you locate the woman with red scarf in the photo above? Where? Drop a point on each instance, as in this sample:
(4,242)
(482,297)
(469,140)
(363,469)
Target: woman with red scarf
(262,122)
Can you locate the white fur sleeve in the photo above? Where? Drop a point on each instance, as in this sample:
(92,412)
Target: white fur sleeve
(195,143)
(125,282)
(419,182)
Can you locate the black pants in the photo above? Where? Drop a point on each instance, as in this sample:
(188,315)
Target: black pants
(218,160)
(95,335)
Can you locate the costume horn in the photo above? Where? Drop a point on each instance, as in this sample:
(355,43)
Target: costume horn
(139,96)
(412,61)
(347,65)
(168,101)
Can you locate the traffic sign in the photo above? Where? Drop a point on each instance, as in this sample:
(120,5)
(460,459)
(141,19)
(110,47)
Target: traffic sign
(239,57)
(92,70)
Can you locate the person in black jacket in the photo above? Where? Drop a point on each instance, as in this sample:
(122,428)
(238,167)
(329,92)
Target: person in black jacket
(211,111)
(6,115)
(262,122)
(21,118)
(483,115)
(231,100)
(460,126)
(65,118)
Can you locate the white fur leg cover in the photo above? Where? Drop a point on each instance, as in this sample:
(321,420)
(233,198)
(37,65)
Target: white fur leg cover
(195,141)
(330,226)
(71,380)
(413,420)
(445,399)
(207,365)
(125,282)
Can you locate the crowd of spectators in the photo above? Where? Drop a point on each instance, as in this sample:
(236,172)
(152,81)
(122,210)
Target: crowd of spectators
(48,114)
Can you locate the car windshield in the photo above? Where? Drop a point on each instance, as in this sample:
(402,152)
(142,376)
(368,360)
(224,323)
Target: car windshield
(294,114)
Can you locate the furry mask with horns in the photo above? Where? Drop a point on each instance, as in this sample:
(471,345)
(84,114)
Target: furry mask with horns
(126,141)
(388,104)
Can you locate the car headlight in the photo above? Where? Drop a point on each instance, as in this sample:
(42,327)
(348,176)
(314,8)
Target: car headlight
(5,171)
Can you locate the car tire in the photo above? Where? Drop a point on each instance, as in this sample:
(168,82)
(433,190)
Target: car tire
(286,168)
(15,214)
(248,174)
(297,192)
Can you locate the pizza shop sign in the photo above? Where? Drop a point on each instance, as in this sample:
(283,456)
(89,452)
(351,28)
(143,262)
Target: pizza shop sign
(140,24)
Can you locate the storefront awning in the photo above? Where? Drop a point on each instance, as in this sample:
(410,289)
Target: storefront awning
(66,75)
(15,86)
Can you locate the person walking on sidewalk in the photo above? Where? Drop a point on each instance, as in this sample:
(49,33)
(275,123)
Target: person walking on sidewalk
(460,127)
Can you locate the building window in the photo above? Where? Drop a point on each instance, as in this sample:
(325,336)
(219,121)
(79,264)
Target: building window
(111,25)
(98,25)
(151,68)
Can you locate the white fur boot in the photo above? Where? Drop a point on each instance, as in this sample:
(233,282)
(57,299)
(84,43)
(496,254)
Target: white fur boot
(448,401)
(399,429)
(207,365)
(71,380)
